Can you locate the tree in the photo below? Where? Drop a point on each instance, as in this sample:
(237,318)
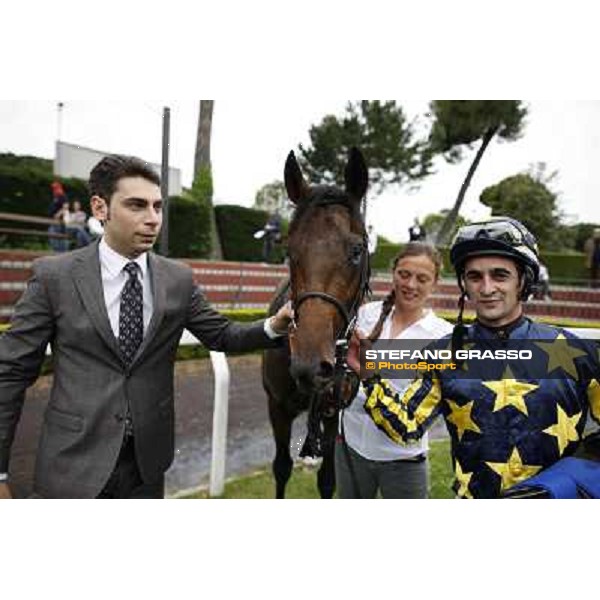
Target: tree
(581,232)
(432,223)
(272,197)
(384,136)
(201,194)
(530,201)
(459,124)
(202,164)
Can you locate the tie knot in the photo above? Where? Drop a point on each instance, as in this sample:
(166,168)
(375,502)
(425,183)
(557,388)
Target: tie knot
(131,268)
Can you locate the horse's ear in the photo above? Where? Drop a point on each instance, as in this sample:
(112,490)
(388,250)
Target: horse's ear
(294,181)
(356,174)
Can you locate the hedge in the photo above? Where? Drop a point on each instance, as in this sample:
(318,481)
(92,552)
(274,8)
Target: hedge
(26,190)
(563,268)
(189,228)
(237,226)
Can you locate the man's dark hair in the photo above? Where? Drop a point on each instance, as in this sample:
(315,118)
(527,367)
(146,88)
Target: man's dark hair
(106,174)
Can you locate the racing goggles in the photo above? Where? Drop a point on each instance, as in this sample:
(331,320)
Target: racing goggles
(501,230)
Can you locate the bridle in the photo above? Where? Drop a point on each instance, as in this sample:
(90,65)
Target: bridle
(342,373)
(348,312)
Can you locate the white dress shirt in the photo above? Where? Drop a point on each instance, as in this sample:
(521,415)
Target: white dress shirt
(361,433)
(114,278)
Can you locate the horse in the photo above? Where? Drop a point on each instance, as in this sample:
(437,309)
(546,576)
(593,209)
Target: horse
(329,278)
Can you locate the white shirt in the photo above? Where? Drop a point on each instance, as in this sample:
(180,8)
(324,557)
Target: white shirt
(114,278)
(361,433)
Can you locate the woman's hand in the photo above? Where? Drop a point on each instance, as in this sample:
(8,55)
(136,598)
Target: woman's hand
(353,356)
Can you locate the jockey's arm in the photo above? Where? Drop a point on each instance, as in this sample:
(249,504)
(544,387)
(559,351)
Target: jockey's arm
(404,418)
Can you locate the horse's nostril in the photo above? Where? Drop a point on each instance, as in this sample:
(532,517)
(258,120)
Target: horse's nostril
(301,373)
(326,370)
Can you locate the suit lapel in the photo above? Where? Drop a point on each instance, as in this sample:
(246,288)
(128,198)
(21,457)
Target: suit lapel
(159,297)
(88,281)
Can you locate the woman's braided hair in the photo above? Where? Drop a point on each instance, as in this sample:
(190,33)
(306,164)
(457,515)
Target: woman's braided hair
(411,249)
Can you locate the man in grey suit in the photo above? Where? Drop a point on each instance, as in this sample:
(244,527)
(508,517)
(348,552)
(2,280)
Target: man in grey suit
(114,313)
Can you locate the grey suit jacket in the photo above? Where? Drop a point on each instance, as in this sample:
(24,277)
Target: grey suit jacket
(83,426)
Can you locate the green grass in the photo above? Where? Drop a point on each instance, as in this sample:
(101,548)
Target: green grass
(303,483)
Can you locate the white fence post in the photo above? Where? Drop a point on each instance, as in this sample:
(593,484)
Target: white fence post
(220,414)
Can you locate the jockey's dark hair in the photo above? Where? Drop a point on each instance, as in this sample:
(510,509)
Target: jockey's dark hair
(411,249)
(105,175)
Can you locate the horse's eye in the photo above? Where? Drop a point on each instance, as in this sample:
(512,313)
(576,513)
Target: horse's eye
(356,253)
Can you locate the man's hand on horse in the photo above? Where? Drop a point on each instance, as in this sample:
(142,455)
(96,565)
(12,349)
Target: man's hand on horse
(282,318)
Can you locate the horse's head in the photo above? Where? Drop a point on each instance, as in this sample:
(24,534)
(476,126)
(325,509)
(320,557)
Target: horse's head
(329,267)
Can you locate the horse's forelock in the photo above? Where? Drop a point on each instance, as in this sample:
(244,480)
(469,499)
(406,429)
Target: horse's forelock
(321,195)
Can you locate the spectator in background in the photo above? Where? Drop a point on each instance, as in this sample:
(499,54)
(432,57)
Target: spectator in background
(56,212)
(371,239)
(75,222)
(592,257)
(272,235)
(114,312)
(543,287)
(95,227)
(416,233)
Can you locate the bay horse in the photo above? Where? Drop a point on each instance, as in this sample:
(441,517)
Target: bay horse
(329,277)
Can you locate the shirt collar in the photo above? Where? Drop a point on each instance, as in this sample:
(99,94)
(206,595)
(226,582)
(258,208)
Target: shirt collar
(423,322)
(113,262)
(504,331)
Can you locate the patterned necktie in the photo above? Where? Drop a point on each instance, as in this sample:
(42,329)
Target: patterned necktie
(131,314)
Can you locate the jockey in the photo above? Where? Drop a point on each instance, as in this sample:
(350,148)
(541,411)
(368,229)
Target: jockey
(508,421)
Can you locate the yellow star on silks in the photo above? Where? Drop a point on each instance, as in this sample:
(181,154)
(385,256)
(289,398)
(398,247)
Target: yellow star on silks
(593,394)
(513,471)
(561,355)
(464,479)
(565,429)
(460,417)
(510,392)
